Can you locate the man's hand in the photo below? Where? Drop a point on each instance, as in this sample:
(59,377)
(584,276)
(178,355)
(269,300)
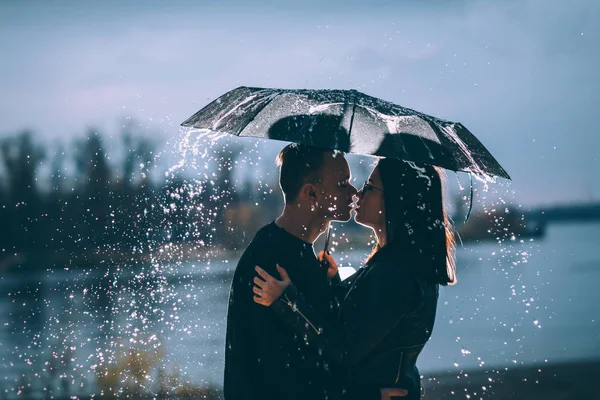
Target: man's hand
(268,289)
(388,393)
(332,267)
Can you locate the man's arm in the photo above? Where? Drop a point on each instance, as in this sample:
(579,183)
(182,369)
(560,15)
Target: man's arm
(318,330)
(266,360)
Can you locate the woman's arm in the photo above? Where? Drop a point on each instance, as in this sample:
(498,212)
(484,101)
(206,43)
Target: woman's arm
(285,299)
(377,301)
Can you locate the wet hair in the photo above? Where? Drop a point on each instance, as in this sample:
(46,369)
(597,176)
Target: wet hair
(299,164)
(417,226)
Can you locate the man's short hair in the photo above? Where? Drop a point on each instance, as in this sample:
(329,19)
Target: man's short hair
(299,164)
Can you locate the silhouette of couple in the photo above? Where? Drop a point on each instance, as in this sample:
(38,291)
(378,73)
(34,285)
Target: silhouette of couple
(295,330)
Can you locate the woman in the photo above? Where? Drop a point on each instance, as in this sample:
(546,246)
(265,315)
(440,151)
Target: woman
(388,307)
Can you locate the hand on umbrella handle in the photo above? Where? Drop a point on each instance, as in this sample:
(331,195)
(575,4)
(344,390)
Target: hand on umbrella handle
(328,262)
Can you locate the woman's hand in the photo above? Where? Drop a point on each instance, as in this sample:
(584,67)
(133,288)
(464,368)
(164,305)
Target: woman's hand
(268,289)
(332,268)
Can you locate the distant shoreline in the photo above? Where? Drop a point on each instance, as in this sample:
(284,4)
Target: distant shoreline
(170,252)
(25,262)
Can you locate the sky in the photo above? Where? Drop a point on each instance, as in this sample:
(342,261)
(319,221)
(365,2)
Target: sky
(521,75)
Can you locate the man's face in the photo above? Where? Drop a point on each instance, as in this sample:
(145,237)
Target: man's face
(335,199)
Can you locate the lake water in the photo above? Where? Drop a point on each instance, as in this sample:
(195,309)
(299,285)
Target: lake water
(516,303)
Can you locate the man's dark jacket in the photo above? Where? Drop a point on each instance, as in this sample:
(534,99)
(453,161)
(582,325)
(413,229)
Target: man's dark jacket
(265,357)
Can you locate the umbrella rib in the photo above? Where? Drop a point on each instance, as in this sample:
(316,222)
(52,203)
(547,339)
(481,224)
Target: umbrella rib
(263,107)
(228,113)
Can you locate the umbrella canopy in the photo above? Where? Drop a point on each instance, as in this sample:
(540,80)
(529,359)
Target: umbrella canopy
(348,121)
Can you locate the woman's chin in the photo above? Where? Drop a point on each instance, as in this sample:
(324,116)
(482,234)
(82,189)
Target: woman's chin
(359,220)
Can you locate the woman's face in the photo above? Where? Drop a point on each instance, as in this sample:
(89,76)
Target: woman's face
(370,209)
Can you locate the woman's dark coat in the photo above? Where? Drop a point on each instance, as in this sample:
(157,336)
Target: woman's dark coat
(387,315)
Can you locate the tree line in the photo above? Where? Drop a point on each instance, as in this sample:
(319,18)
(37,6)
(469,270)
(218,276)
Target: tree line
(86,196)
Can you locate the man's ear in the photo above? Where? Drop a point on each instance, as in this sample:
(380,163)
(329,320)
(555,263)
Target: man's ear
(309,191)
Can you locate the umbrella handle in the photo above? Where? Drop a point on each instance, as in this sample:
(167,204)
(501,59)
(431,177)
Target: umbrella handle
(324,262)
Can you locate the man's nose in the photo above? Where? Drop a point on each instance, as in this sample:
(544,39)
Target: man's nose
(353,191)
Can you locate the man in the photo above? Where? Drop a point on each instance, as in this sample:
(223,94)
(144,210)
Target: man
(265,358)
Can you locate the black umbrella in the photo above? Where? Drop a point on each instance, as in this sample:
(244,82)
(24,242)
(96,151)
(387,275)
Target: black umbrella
(348,121)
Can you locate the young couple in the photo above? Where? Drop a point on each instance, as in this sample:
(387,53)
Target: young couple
(295,330)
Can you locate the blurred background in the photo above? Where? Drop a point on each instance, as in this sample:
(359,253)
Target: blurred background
(121,231)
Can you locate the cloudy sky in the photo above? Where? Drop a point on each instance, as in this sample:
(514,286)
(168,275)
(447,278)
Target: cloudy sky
(521,75)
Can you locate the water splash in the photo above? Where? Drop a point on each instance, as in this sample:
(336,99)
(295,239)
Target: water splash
(194,144)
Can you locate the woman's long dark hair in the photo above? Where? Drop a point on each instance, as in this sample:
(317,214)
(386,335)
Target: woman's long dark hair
(417,227)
